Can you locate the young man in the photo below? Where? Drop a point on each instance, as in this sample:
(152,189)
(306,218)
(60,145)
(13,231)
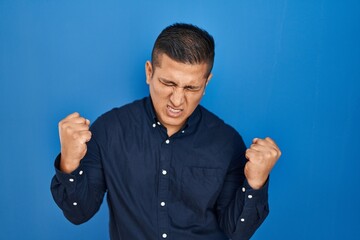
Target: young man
(171,169)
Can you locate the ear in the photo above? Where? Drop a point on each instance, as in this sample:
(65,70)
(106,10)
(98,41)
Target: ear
(208,79)
(148,71)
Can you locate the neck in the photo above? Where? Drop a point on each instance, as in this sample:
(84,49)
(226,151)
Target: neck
(172,130)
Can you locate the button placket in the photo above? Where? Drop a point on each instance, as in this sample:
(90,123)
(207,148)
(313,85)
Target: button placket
(163,189)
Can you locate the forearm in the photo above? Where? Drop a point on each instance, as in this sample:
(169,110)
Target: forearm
(245,212)
(78,197)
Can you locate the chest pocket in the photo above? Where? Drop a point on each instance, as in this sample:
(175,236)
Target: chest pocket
(200,187)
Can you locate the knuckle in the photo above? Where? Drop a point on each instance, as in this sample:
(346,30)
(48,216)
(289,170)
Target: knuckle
(62,124)
(248,152)
(68,130)
(274,153)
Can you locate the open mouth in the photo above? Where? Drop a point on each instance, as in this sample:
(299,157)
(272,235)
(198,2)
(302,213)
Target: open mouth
(173,112)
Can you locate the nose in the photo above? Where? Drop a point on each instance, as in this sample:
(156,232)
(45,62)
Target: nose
(177,96)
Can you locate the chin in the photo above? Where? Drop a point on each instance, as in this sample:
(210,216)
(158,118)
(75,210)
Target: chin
(174,122)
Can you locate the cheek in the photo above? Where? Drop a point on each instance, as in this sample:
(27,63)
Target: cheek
(159,93)
(193,100)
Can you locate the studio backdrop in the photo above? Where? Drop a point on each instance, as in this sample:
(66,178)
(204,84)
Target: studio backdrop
(285,69)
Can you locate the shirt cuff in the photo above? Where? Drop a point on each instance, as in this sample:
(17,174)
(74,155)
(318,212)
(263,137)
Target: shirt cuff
(69,180)
(255,197)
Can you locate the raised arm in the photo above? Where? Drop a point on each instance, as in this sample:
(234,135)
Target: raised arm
(78,186)
(243,203)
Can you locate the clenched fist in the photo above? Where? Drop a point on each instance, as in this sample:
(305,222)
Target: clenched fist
(262,156)
(74,134)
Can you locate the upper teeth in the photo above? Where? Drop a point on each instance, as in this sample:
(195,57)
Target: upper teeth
(174,110)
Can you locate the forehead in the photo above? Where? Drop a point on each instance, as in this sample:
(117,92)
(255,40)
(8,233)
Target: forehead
(181,73)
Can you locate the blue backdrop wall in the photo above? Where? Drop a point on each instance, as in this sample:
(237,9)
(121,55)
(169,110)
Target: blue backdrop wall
(285,69)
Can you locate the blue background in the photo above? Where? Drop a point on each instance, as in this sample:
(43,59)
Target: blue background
(285,69)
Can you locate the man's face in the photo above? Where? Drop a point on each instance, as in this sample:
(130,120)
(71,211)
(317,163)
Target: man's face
(176,90)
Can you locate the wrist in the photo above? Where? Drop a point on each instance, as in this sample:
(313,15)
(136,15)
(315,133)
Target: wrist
(68,166)
(256,184)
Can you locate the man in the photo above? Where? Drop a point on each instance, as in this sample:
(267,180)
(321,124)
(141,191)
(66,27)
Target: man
(171,169)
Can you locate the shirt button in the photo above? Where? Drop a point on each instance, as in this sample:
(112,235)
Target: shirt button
(164,172)
(71,180)
(164,235)
(81,172)
(158,123)
(250,196)
(167,141)
(154,125)
(243,189)
(162,204)
(243,219)
(183,131)
(74,203)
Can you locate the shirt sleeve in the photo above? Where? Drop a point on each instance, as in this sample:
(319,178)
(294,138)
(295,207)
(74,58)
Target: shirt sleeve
(80,193)
(241,209)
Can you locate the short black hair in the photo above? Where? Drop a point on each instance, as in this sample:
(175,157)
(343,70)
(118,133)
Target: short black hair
(185,43)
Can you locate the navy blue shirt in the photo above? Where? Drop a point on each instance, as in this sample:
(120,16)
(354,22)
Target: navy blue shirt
(187,186)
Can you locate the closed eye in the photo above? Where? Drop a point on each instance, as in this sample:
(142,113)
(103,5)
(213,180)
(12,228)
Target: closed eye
(192,88)
(167,83)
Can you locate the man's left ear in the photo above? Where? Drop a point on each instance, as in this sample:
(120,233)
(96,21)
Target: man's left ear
(207,82)
(208,79)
